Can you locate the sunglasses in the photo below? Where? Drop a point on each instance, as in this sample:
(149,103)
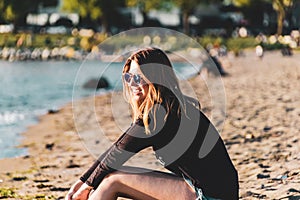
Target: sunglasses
(137,79)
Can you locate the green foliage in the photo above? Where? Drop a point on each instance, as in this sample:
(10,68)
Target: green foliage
(146,6)
(282,4)
(274,46)
(16,10)
(281,7)
(39,197)
(86,9)
(166,42)
(241,3)
(236,44)
(49,40)
(94,11)
(232,44)
(205,40)
(39,40)
(120,44)
(87,43)
(10,193)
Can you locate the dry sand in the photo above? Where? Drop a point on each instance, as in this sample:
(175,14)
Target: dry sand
(261,133)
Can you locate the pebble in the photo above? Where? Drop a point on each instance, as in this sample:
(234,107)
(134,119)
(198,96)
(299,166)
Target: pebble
(19,178)
(264,166)
(263,176)
(267,128)
(49,146)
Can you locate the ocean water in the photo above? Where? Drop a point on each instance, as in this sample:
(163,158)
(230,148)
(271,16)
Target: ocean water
(31,88)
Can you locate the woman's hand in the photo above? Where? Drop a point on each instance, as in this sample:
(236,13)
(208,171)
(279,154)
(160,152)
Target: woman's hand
(82,193)
(74,188)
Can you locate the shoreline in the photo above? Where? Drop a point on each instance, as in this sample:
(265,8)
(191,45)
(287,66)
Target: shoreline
(65,53)
(261,133)
(104,58)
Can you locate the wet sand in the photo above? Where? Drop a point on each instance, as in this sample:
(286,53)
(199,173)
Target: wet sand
(261,133)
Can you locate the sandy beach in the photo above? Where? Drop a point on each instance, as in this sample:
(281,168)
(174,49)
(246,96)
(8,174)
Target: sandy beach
(261,133)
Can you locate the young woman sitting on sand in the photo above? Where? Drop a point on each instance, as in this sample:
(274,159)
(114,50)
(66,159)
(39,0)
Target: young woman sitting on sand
(183,139)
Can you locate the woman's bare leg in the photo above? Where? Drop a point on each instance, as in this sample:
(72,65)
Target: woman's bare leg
(143,186)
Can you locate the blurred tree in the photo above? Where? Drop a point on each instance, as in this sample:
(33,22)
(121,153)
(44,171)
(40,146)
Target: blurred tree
(241,3)
(3,8)
(282,7)
(111,18)
(92,11)
(186,7)
(88,10)
(253,11)
(49,3)
(146,6)
(15,11)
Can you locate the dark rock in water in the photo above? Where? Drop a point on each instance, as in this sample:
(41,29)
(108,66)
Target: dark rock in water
(96,83)
(52,111)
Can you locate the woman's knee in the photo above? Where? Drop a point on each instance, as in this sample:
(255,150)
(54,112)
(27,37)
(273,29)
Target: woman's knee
(110,181)
(108,188)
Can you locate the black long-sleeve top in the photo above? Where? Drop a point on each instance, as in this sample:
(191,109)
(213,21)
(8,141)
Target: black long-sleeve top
(186,143)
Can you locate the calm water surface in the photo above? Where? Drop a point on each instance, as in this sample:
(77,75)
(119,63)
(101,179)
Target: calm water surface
(30,89)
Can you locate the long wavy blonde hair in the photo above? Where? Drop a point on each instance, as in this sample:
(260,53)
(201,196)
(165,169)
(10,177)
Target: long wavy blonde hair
(163,85)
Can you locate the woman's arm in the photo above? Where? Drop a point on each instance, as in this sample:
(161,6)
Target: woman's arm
(88,172)
(131,142)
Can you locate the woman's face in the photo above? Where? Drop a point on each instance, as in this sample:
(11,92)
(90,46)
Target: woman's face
(138,91)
